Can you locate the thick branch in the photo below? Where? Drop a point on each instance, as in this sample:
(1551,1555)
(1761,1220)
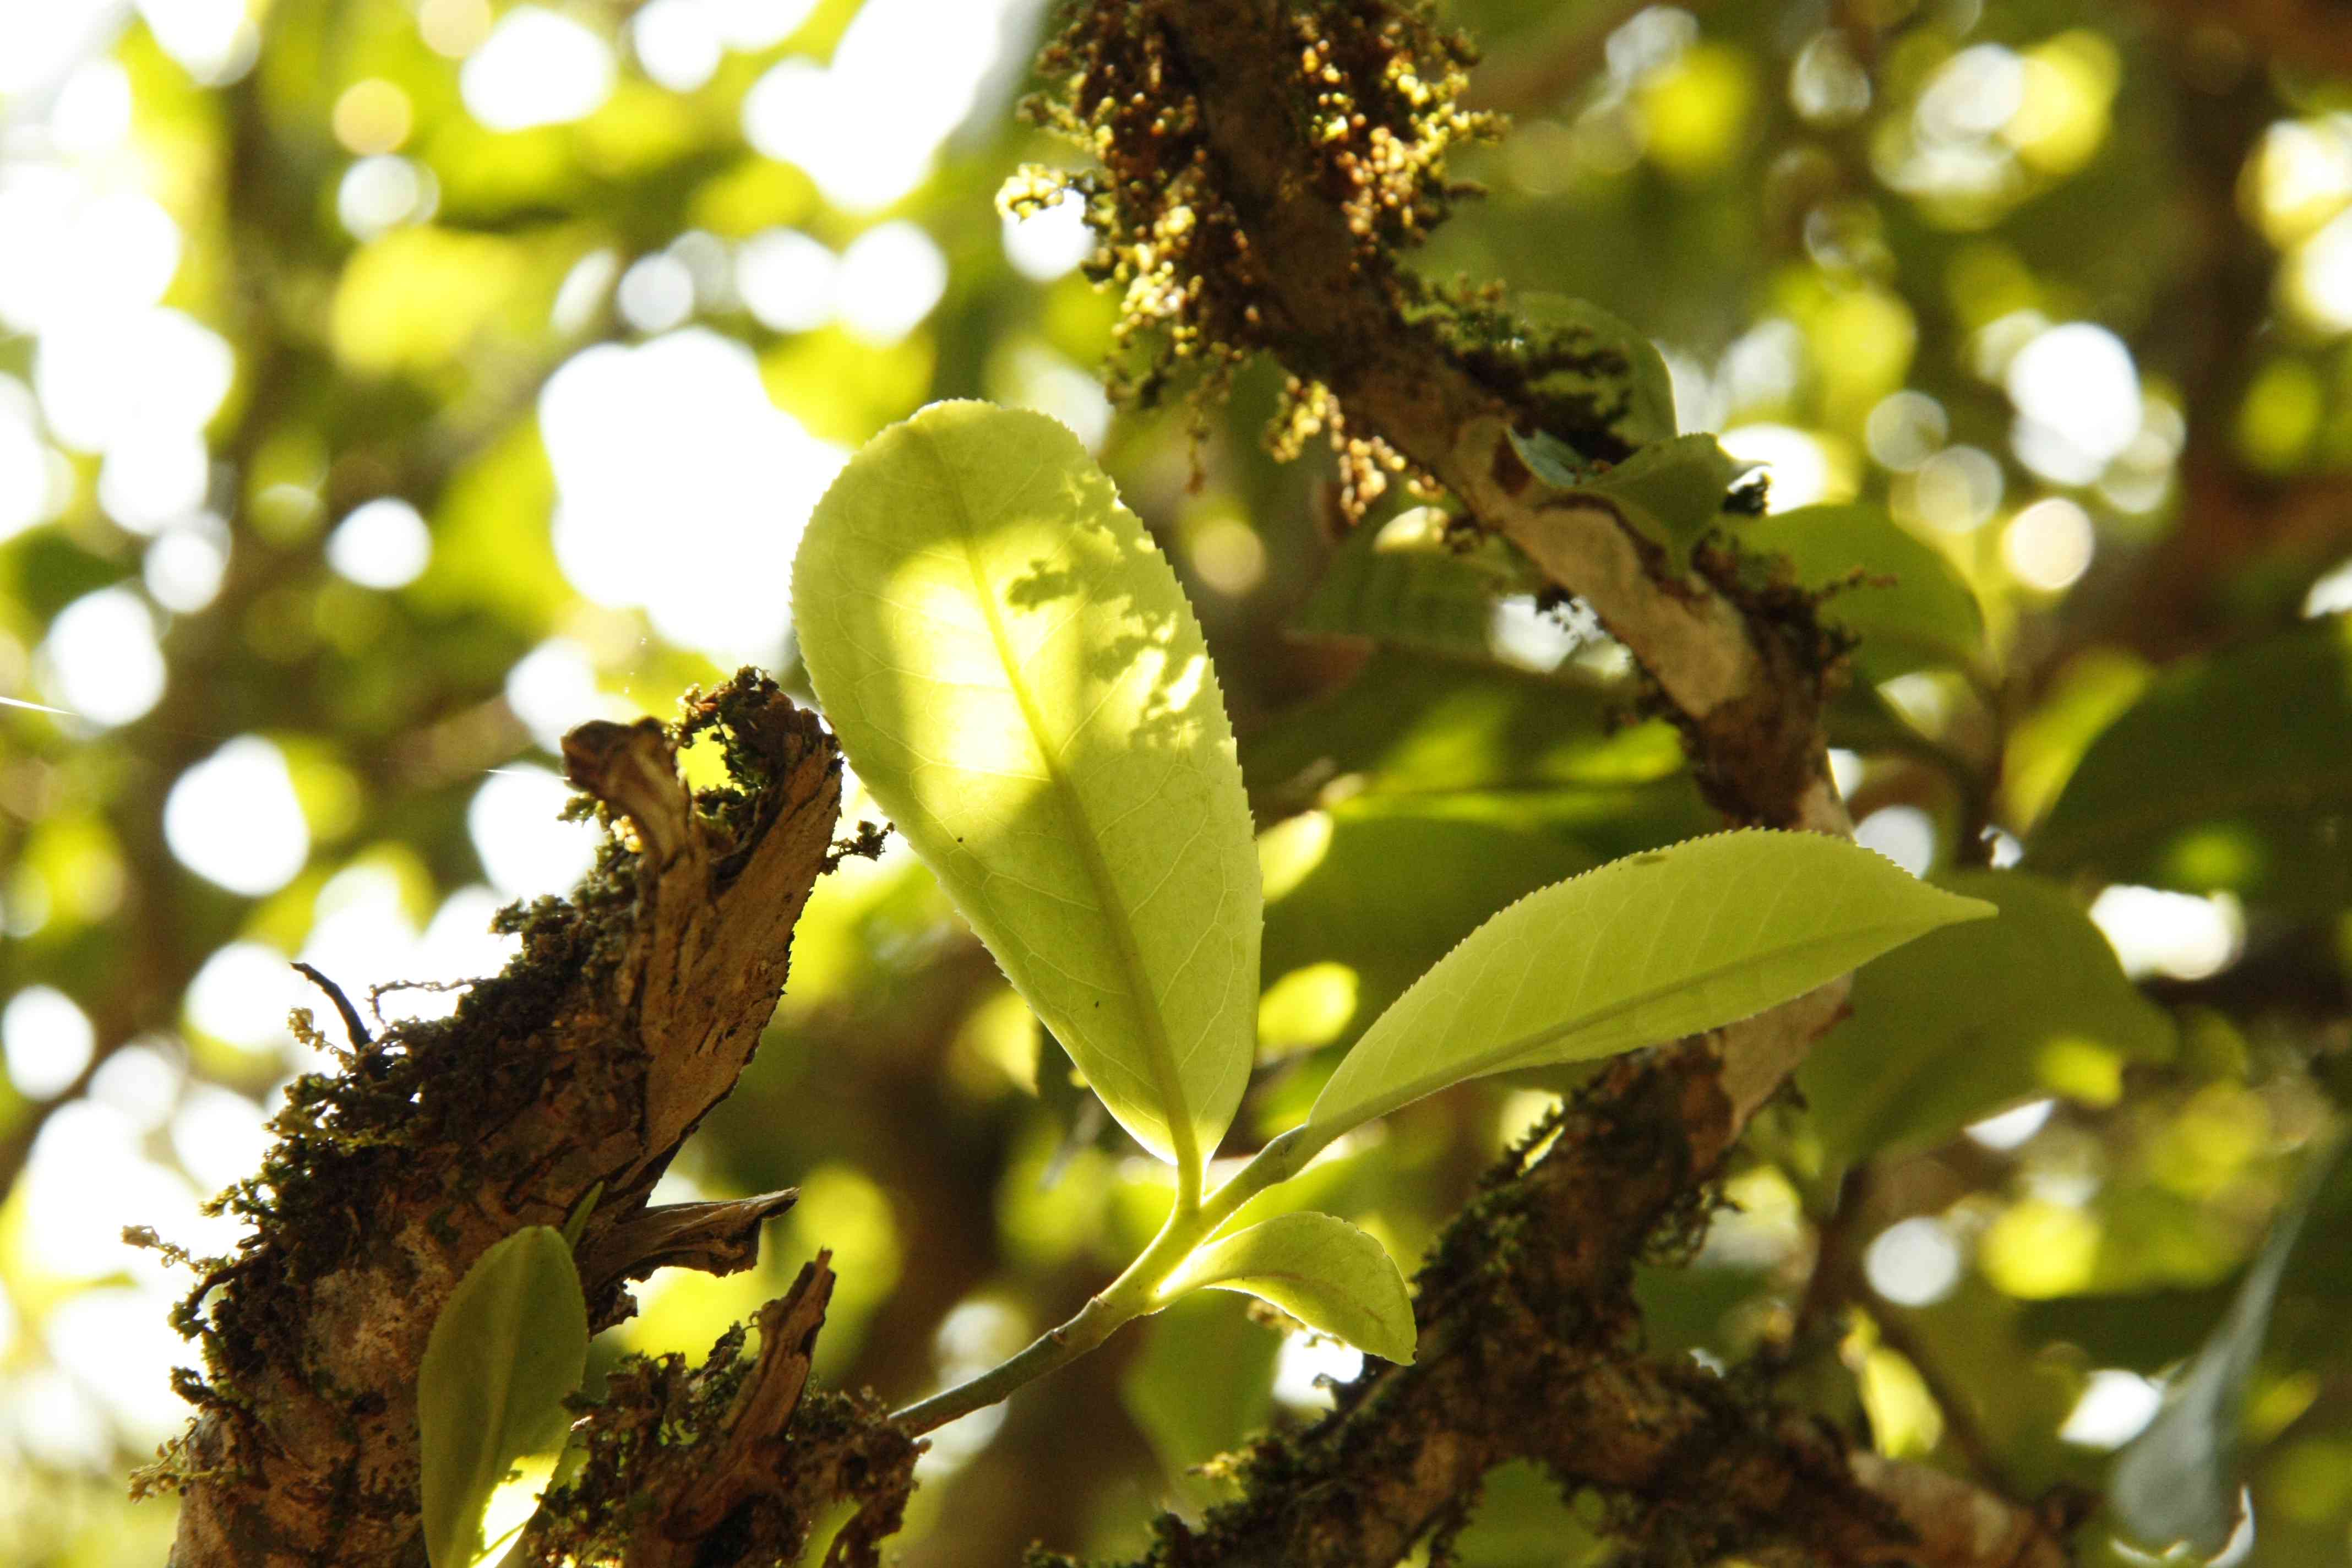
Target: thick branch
(629,1013)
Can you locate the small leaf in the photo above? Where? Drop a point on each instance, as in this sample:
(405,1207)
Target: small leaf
(1321,1270)
(2254,750)
(1644,949)
(508,1348)
(1975,1017)
(1671,492)
(1551,459)
(1469,786)
(2177,1480)
(1015,673)
(1636,400)
(1914,612)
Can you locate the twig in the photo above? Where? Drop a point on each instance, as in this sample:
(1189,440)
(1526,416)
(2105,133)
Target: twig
(353,1028)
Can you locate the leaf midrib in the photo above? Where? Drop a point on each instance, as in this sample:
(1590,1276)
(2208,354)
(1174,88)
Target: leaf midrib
(1505,1057)
(1158,1050)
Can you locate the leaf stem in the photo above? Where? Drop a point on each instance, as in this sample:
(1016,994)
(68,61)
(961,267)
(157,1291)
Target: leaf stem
(1135,1293)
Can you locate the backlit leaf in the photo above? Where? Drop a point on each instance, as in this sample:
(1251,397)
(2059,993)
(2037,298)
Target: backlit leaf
(1321,1270)
(508,1348)
(1015,673)
(1644,949)
(1467,786)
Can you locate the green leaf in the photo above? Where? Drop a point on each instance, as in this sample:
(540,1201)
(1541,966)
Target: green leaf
(1912,611)
(1977,1017)
(1630,376)
(2177,1480)
(1646,949)
(508,1348)
(1321,1270)
(2230,773)
(1552,460)
(1671,492)
(1403,583)
(1015,674)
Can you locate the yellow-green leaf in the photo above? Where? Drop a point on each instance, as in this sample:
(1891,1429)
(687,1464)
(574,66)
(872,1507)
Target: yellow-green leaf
(1015,673)
(508,1348)
(1655,946)
(1323,1271)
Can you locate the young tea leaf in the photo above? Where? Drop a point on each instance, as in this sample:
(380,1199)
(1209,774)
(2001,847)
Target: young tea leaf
(1644,949)
(508,1348)
(1015,674)
(1323,1271)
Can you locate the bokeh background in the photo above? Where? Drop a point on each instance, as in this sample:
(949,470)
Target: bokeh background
(386,385)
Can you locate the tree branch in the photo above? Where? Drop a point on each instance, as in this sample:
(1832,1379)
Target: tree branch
(1528,1350)
(1230,157)
(629,1013)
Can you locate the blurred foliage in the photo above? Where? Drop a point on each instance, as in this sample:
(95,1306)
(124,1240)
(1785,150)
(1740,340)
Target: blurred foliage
(2039,311)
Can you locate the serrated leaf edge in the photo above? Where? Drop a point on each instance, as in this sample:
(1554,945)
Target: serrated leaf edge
(1517,1054)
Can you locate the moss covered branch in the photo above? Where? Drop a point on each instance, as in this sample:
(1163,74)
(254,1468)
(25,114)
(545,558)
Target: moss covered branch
(628,1014)
(1530,1350)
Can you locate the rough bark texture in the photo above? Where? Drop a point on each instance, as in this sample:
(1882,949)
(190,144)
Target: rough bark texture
(629,1013)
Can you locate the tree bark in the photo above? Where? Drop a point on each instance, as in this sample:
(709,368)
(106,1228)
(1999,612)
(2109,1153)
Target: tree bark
(629,1013)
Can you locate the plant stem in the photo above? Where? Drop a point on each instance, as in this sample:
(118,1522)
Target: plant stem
(1093,1324)
(1134,1294)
